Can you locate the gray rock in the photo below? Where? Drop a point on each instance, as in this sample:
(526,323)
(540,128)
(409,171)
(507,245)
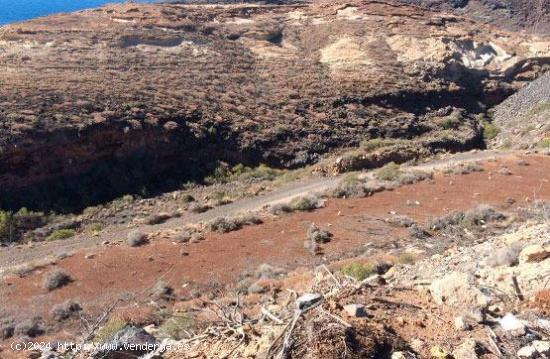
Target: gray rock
(307,300)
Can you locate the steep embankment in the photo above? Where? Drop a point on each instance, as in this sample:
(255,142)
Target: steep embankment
(135,98)
(523,119)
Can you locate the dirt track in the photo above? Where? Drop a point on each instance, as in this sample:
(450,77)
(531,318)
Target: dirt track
(17,255)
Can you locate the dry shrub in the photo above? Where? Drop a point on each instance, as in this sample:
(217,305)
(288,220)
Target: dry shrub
(57,278)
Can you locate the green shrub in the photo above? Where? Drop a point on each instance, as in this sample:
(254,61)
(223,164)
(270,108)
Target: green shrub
(106,332)
(176,327)
(6,226)
(406,258)
(490,131)
(389,172)
(358,271)
(61,234)
(545,143)
(95,227)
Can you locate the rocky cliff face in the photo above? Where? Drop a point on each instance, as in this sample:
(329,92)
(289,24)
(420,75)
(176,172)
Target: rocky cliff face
(124,98)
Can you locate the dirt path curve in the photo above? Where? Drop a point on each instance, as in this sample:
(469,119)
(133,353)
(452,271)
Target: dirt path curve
(17,255)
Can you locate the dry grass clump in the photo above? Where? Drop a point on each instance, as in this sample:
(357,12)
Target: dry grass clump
(318,235)
(161,291)
(306,203)
(158,218)
(226,224)
(389,172)
(414,176)
(66,310)
(29,327)
(136,238)
(57,278)
(477,216)
(197,207)
(463,168)
(176,327)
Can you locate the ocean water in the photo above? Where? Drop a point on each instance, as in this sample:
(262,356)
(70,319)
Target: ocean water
(18,10)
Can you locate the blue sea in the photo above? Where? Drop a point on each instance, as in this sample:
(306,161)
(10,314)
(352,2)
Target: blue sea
(18,10)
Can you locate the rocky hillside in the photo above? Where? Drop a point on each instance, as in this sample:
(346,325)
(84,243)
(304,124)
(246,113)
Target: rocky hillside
(530,15)
(523,119)
(162,92)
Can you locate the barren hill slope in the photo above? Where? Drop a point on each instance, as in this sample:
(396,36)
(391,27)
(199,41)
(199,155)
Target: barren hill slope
(524,118)
(138,97)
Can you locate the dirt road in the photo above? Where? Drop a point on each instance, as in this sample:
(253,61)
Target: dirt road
(17,255)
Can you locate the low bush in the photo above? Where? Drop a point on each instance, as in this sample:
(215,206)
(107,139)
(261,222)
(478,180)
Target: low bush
(136,238)
(306,203)
(197,207)
(55,279)
(389,172)
(66,310)
(358,271)
(414,176)
(226,224)
(318,235)
(61,234)
(463,168)
(490,131)
(176,327)
(29,327)
(280,208)
(161,291)
(106,332)
(406,258)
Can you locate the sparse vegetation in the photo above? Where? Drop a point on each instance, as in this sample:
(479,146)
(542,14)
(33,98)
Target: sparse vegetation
(463,168)
(176,327)
(55,279)
(226,224)
(66,310)
(475,217)
(544,143)
(106,332)
(389,172)
(161,291)
(376,143)
(318,235)
(490,131)
(136,238)
(358,271)
(197,207)
(306,203)
(225,174)
(406,258)
(61,234)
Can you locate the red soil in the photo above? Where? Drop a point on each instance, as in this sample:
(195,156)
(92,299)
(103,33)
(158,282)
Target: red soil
(117,270)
